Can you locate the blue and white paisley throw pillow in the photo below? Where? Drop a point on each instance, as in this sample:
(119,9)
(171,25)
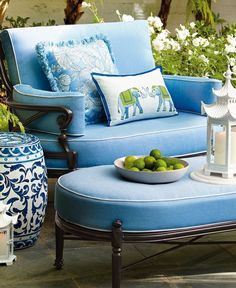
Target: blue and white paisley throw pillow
(68,66)
(128,98)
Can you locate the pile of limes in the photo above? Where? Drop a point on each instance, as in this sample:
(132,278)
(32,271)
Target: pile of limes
(154,162)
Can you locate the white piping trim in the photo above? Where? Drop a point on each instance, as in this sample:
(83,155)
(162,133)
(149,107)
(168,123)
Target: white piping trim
(118,138)
(137,135)
(139,201)
(47,97)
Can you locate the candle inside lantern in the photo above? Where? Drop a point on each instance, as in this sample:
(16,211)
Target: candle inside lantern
(220,146)
(3,245)
(233,147)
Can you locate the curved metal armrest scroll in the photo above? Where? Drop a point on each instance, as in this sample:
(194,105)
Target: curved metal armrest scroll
(63,120)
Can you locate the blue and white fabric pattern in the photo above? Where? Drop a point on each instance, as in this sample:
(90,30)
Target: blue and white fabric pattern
(128,98)
(68,66)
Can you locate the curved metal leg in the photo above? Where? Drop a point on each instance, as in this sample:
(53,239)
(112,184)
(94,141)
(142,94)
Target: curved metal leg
(59,247)
(116,243)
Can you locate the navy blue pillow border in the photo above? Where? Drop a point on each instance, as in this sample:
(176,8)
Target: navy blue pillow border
(115,75)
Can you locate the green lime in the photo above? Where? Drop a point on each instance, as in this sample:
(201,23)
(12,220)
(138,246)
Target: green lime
(167,160)
(156,153)
(171,167)
(149,162)
(178,166)
(160,169)
(146,170)
(134,169)
(173,161)
(160,163)
(129,160)
(139,163)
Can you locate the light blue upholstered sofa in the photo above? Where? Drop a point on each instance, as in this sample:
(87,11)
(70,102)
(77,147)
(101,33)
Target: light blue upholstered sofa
(98,144)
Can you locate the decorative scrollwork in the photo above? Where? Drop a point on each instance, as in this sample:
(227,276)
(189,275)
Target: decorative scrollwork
(23,183)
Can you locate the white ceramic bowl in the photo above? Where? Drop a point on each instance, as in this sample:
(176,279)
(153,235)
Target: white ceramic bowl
(151,177)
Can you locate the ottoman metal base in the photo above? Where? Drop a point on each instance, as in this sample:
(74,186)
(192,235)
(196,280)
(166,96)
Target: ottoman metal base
(67,230)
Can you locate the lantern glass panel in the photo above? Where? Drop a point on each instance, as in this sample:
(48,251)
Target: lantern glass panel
(218,144)
(3,244)
(233,145)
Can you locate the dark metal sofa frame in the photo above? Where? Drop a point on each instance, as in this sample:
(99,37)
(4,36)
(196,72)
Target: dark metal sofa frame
(67,230)
(64,119)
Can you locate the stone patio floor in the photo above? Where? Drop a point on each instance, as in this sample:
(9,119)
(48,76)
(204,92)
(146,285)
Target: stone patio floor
(88,264)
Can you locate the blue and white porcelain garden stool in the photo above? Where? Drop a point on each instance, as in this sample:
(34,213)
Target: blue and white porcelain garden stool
(23,183)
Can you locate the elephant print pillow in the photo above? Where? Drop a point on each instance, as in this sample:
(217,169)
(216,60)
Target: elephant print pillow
(129,98)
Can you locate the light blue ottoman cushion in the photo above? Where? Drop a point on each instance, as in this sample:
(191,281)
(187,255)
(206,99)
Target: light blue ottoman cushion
(181,134)
(95,197)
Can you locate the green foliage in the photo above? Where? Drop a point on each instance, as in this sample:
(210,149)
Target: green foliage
(8,119)
(50,22)
(195,50)
(17,22)
(24,22)
(200,8)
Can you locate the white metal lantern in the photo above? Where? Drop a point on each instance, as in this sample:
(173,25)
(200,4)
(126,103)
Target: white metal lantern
(6,235)
(221,136)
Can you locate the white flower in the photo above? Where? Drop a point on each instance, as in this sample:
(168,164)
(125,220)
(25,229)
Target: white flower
(196,42)
(232,61)
(230,48)
(199,41)
(216,52)
(151,30)
(194,34)
(182,33)
(86,4)
(192,25)
(118,13)
(174,45)
(151,20)
(163,35)
(190,52)
(204,59)
(158,44)
(205,42)
(231,40)
(127,18)
(155,21)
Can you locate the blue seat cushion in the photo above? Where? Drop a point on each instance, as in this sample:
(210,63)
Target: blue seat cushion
(184,133)
(142,207)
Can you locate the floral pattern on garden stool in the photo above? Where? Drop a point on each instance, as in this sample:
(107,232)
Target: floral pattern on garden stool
(23,184)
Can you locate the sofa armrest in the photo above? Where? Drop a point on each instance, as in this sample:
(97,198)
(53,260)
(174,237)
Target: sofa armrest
(47,111)
(188,92)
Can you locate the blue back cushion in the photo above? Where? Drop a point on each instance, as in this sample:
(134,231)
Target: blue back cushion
(130,44)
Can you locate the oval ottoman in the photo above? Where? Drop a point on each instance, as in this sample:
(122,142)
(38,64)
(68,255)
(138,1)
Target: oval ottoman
(97,203)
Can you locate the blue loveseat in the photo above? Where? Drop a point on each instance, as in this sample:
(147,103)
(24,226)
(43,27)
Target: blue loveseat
(61,114)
